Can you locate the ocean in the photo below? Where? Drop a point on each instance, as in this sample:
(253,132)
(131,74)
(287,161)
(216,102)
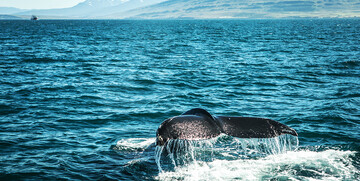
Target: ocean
(82,99)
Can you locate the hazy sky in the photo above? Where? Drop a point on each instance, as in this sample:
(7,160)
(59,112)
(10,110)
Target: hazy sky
(39,4)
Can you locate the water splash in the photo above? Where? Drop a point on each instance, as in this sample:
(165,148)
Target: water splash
(179,153)
(133,144)
(292,165)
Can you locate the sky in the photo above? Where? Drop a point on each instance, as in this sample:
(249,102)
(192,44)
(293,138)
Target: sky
(39,4)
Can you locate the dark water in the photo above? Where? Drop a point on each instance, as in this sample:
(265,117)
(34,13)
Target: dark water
(81,100)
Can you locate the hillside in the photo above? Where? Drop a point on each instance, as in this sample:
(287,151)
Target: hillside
(243,9)
(198,9)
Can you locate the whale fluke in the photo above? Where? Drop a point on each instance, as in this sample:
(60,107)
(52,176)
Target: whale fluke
(198,124)
(248,127)
(187,127)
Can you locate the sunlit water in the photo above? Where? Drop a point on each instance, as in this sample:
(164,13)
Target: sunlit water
(81,100)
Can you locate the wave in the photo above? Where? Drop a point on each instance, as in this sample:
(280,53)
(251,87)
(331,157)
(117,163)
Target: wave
(244,159)
(44,60)
(292,165)
(52,60)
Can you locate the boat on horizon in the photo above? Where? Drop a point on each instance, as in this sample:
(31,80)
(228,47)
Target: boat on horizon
(34,18)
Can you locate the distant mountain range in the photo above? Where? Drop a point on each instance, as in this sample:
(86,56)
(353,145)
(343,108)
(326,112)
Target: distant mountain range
(196,9)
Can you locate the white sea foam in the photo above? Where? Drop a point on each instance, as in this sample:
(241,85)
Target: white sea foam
(232,159)
(292,165)
(135,143)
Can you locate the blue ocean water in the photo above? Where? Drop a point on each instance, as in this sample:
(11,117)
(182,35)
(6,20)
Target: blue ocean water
(82,99)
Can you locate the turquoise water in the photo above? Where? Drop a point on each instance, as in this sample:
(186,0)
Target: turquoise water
(81,100)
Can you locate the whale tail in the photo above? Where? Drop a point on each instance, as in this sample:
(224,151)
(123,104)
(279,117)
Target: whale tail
(197,124)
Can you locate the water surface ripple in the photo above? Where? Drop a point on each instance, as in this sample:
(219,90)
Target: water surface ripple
(82,99)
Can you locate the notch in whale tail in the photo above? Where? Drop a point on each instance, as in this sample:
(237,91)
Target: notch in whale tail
(198,112)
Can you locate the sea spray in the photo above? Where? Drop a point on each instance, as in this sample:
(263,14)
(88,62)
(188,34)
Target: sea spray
(292,165)
(179,153)
(133,144)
